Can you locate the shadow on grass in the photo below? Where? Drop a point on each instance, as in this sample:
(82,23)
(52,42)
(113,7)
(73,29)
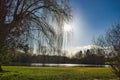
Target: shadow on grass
(4,71)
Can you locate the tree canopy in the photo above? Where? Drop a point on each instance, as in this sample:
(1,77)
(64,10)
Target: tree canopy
(24,21)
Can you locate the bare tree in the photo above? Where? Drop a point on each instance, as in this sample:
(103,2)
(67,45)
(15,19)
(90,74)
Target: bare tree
(78,55)
(20,20)
(111,41)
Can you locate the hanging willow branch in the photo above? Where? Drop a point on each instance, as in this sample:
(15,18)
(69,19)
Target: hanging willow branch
(22,20)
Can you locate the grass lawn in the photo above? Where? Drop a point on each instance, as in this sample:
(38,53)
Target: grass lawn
(55,73)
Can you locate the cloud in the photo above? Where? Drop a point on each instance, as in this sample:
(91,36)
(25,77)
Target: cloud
(82,48)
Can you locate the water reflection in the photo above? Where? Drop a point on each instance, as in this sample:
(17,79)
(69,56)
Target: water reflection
(68,65)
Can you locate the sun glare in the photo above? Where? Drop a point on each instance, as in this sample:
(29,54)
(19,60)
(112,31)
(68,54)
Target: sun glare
(67,27)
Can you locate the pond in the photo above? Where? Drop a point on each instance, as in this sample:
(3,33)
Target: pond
(68,65)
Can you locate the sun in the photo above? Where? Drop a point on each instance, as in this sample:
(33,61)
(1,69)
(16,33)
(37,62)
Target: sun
(67,28)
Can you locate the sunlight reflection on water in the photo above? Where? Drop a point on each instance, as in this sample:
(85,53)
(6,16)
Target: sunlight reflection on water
(68,65)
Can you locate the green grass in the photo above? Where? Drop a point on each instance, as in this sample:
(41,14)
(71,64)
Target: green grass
(55,73)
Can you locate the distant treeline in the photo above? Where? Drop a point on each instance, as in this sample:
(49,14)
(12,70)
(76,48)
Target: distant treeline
(90,56)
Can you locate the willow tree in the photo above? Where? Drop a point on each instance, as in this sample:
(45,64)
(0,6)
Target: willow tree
(20,20)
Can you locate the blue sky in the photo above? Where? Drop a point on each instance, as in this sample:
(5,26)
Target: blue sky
(92,18)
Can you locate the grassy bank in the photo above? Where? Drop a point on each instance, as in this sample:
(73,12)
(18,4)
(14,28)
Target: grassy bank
(54,73)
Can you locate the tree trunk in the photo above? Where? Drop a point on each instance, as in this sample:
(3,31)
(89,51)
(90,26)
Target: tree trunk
(3,34)
(1,68)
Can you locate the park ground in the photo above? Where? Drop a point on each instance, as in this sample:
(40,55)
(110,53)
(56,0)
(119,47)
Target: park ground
(56,73)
